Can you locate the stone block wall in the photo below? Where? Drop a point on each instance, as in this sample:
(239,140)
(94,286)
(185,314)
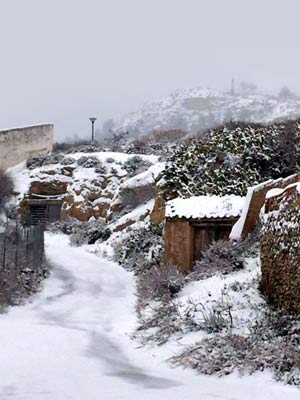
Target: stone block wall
(280,254)
(20,144)
(255,200)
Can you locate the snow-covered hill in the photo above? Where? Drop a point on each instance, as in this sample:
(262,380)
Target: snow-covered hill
(196,109)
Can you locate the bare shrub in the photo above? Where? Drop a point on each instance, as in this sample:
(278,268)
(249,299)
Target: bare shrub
(222,257)
(82,146)
(214,317)
(68,226)
(272,344)
(9,287)
(223,355)
(6,187)
(116,141)
(159,285)
(211,316)
(161,282)
(215,355)
(162,322)
(168,316)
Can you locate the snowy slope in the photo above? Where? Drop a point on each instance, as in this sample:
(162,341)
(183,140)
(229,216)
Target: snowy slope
(198,108)
(72,342)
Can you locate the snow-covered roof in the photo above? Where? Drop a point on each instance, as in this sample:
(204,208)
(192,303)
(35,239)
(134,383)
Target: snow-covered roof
(205,207)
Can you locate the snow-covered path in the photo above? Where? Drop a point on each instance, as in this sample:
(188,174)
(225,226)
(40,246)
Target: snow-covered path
(72,342)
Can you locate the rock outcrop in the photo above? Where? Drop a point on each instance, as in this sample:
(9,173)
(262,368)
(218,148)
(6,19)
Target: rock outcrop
(86,191)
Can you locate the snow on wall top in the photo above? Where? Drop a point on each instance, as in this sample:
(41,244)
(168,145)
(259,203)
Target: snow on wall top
(278,191)
(205,207)
(237,229)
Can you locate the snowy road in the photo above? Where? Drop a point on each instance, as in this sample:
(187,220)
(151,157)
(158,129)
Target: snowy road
(72,342)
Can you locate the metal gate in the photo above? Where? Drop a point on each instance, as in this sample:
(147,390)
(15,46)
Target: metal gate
(41,211)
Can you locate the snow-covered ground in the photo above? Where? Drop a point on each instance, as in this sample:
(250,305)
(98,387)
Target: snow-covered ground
(73,342)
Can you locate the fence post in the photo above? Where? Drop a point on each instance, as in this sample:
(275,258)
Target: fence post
(4,246)
(17,245)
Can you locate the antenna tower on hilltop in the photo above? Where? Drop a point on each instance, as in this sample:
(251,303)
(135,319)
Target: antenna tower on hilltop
(232,90)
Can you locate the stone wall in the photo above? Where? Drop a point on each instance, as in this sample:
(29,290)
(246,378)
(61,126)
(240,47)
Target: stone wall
(20,144)
(255,200)
(280,251)
(159,210)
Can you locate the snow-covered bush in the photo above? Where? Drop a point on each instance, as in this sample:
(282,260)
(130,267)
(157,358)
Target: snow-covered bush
(89,162)
(229,159)
(135,165)
(81,232)
(35,162)
(42,160)
(67,226)
(81,146)
(214,317)
(92,162)
(67,161)
(89,232)
(142,250)
(113,171)
(49,159)
(101,169)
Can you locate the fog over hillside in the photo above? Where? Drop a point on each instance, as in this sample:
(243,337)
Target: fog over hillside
(199,108)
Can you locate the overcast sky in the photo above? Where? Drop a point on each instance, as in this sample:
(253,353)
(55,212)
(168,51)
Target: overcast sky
(65,60)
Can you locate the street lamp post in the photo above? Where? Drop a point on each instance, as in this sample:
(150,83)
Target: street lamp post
(93,120)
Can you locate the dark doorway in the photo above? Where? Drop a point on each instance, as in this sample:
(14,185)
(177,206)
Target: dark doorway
(209,231)
(41,211)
